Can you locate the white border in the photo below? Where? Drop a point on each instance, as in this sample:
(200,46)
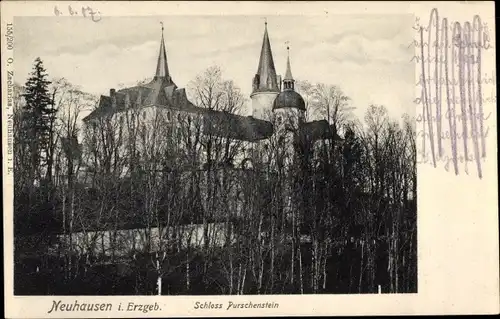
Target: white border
(457,215)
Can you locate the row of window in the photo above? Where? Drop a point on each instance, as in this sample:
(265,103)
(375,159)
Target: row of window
(132,117)
(281,118)
(144,115)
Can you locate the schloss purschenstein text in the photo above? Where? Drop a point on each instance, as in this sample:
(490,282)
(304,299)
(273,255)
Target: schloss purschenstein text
(208,305)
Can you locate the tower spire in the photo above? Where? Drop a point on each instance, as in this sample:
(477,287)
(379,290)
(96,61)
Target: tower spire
(265,79)
(288,74)
(162,65)
(288,81)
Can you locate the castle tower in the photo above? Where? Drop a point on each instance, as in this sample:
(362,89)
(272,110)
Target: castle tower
(288,115)
(289,107)
(265,82)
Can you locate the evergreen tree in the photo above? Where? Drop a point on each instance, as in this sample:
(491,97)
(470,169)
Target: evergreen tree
(39,117)
(352,157)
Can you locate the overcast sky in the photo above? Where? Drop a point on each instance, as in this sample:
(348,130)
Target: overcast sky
(366,55)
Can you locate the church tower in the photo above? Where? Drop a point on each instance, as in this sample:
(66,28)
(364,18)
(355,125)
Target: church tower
(265,86)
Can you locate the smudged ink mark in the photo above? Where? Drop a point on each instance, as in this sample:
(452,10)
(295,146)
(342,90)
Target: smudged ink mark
(426,106)
(479,27)
(452,121)
(466,43)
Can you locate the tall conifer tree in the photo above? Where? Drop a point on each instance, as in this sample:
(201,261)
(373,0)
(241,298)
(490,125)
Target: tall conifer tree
(40,115)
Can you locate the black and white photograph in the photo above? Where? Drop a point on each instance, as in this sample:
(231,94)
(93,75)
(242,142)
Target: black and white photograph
(214,155)
(266,158)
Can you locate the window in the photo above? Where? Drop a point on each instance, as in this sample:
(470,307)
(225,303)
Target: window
(278,119)
(144,115)
(169,117)
(143,132)
(121,124)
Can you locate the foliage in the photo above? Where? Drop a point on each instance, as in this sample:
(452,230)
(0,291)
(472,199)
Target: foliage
(38,119)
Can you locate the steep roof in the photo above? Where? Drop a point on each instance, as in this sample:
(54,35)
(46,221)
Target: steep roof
(162,65)
(159,91)
(103,108)
(288,74)
(163,92)
(288,98)
(265,79)
(217,123)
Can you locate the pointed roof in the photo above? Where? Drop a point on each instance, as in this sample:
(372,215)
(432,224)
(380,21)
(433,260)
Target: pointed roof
(162,65)
(288,74)
(266,72)
(288,98)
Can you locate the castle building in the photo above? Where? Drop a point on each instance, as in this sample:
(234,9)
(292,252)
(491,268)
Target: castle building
(276,106)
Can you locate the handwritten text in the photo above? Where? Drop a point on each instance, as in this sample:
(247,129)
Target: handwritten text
(452,93)
(85,12)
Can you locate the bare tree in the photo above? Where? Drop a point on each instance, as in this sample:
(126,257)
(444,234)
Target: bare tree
(175,193)
(325,102)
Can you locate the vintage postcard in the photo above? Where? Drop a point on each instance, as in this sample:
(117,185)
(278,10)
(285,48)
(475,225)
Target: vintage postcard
(175,159)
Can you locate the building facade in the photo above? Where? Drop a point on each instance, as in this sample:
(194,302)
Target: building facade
(228,166)
(160,108)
